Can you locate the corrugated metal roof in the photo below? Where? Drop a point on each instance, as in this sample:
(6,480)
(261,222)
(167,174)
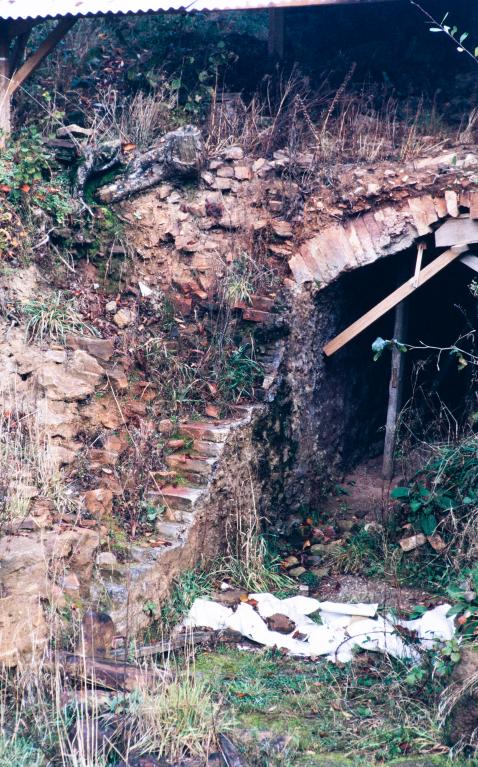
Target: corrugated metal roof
(35,9)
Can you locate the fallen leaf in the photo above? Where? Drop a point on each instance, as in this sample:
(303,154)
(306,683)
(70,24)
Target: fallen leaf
(212,411)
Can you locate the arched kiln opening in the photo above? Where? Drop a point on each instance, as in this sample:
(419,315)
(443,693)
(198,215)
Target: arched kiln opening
(352,391)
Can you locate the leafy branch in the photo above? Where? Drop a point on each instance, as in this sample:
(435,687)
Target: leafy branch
(449,31)
(463,356)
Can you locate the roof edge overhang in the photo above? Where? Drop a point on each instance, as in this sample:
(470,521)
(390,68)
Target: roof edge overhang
(21,10)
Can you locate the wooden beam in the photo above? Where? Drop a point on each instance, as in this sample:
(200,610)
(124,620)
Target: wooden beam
(34,61)
(393,299)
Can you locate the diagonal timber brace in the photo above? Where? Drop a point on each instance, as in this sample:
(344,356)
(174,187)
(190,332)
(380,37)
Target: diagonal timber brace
(10,81)
(393,299)
(34,61)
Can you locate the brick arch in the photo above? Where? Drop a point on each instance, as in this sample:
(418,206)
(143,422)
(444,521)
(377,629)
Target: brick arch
(366,238)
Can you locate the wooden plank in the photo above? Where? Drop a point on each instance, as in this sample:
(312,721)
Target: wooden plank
(34,61)
(109,674)
(456,231)
(418,265)
(392,300)
(471,261)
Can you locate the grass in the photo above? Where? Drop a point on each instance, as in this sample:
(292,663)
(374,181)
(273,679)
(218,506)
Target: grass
(47,719)
(191,585)
(18,752)
(258,570)
(53,318)
(351,710)
(179,719)
(26,463)
(376,555)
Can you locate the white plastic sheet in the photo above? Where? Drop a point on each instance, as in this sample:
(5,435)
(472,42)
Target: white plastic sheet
(343,628)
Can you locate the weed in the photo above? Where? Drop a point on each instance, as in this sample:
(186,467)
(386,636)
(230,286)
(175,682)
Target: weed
(238,373)
(26,171)
(188,587)
(443,497)
(53,318)
(152,512)
(255,568)
(238,284)
(18,752)
(465,599)
(178,719)
(363,553)
(26,465)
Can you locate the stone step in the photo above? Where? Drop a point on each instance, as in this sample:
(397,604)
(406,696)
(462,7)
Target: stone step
(208,449)
(177,498)
(171,531)
(193,480)
(205,431)
(185,465)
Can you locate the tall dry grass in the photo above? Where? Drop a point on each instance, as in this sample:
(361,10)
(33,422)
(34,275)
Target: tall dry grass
(47,718)
(28,467)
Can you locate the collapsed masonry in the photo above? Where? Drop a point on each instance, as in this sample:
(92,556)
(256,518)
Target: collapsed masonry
(279,451)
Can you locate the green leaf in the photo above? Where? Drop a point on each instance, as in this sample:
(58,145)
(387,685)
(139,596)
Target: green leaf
(445,502)
(417,611)
(415,506)
(455,610)
(475,52)
(378,346)
(463,37)
(400,492)
(428,523)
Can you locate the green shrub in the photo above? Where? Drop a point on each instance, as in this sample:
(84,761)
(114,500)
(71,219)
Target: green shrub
(444,493)
(29,176)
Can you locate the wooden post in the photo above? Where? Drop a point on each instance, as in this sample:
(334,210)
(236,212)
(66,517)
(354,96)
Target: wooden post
(394,392)
(5,106)
(275,45)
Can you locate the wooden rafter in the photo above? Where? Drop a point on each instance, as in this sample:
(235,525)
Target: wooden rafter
(34,61)
(393,299)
